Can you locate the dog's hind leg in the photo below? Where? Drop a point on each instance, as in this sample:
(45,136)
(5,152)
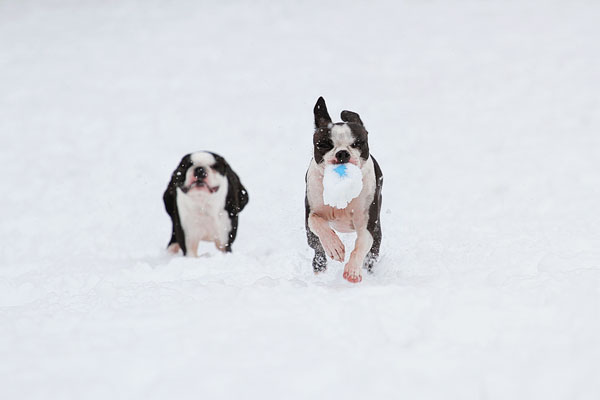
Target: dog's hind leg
(374,225)
(319,262)
(373,254)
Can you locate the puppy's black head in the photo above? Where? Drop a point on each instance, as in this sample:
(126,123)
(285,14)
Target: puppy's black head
(341,142)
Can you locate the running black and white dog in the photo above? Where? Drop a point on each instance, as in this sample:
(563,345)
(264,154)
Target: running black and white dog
(343,142)
(203,199)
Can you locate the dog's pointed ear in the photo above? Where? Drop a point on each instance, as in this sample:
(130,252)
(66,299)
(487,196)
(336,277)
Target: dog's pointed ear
(351,116)
(322,118)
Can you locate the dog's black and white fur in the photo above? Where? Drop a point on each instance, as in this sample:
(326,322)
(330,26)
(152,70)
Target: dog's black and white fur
(203,199)
(343,142)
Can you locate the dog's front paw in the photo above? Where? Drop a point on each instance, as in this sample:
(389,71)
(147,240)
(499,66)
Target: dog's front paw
(333,246)
(352,273)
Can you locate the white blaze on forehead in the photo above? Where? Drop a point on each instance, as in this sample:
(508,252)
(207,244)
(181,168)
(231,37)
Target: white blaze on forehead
(341,135)
(203,158)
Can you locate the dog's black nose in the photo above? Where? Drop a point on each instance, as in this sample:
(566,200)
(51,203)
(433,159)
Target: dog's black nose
(342,156)
(200,173)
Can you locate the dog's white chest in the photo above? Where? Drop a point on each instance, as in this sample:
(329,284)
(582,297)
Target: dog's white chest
(203,217)
(356,212)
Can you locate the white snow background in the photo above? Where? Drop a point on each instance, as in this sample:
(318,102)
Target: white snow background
(484,116)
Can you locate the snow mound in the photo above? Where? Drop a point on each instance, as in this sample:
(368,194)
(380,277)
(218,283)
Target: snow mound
(341,184)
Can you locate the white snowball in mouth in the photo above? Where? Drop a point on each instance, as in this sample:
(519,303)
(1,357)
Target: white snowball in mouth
(341,184)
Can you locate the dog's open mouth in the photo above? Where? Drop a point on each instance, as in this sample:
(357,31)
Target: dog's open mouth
(336,162)
(200,185)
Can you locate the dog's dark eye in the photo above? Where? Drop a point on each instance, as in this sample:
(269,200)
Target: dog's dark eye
(357,144)
(325,145)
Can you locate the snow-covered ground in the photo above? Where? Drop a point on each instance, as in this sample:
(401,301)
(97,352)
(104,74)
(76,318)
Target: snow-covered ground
(485,118)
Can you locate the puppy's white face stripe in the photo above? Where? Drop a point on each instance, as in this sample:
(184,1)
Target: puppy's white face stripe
(341,136)
(203,158)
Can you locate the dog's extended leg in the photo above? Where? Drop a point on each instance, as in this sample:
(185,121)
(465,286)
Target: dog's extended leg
(331,243)
(352,270)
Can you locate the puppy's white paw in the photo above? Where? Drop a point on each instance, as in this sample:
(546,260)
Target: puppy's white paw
(333,246)
(352,272)
(173,248)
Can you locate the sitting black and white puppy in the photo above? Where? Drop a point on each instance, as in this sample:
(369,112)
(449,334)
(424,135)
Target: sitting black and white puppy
(203,199)
(343,142)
